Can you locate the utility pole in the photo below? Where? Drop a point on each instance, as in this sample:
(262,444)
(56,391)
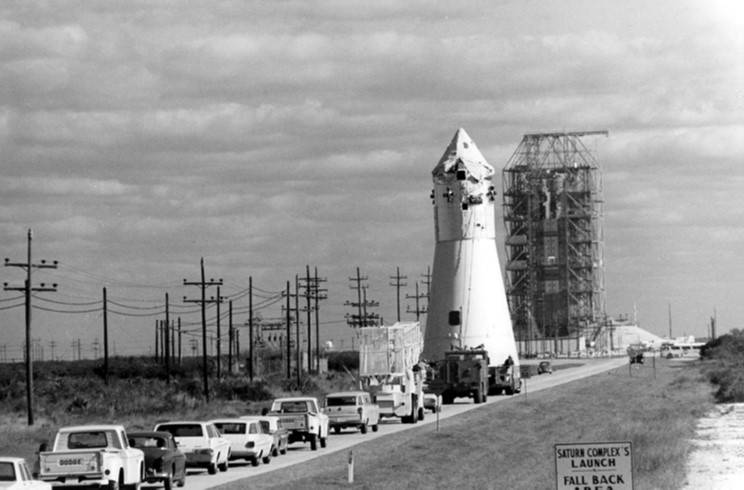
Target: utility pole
(669,305)
(105,339)
(52,343)
(179,340)
(230,338)
(250,328)
(218,300)
(362,318)
(157,341)
(419,310)
(319,294)
(28,288)
(289,335)
(203,284)
(398,284)
(166,337)
(297,328)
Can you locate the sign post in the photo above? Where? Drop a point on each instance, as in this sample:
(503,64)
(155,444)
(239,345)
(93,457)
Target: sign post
(594,466)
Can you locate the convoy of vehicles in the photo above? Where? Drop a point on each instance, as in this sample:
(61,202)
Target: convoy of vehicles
(164,462)
(248,439)
(352,409)
(303,418)
(201,442)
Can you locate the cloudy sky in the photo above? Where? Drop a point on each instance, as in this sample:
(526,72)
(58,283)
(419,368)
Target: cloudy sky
(137,137)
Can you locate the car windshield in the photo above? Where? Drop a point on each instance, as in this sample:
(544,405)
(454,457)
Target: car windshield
(144,441)
(294,407)
(7,472)
(183,430)
(340,401)
(230,427)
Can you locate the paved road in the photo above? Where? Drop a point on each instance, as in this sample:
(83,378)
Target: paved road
(299,453)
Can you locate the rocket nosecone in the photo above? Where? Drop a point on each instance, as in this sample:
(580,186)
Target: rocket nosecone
(467,304)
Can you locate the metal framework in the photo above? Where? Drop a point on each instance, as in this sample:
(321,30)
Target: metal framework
(552,199)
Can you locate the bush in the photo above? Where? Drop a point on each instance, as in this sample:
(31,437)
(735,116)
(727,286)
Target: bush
(724,366)
(343,361)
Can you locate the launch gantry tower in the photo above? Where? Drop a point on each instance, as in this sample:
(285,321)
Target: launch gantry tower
(552,203)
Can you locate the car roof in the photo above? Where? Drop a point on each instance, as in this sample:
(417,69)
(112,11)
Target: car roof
(231,420)
(73,428)
(346,393)
(12,459)
(150,433)
(296,399)
(183,422)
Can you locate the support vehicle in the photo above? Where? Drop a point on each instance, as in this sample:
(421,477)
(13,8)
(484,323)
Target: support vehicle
(201,442)
(303,419)
(462,373)
(88,455)
(389,369)
(352,409)
(164,462)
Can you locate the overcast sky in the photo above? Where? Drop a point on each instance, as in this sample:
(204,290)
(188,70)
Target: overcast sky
(137,137)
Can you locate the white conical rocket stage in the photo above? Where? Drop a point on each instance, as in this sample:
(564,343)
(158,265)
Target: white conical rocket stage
(467,303)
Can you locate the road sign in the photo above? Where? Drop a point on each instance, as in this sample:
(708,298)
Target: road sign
(594,466)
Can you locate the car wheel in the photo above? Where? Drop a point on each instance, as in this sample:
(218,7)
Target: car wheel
(337,429)
(212,468)
(313,442)
(375,427)
(323,441)
(283,451)
(421,414)
(255,461)
(267,459)
(274,451)
(224,466)
(363,428)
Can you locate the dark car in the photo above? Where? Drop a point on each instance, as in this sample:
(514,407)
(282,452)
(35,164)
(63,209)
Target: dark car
(544,367)
(164,462)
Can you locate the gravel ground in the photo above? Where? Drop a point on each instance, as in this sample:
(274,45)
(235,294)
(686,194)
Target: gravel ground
(717,458)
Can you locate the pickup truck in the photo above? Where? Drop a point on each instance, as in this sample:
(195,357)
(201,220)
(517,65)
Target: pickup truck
(92,455)
(15,475)
(201,442)
(352,409)
(303,419)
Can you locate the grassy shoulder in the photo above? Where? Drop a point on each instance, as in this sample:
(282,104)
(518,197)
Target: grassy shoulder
(510,445)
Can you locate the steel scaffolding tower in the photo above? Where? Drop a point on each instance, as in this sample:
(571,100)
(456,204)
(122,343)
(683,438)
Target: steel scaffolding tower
(552,199)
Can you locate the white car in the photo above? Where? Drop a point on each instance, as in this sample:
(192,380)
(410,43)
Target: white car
(15,475)
(433,402)
(202,444)
(248,439)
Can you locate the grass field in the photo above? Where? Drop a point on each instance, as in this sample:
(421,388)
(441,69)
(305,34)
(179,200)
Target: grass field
(510,445)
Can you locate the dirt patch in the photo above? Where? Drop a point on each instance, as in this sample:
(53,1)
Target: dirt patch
(717,458)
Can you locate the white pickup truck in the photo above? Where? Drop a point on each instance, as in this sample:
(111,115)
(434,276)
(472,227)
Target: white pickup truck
(303,419)
(92,455)
(352,409)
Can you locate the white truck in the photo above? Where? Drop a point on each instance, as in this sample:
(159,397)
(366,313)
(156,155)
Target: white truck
(89,455)
(389,369)
(303,419)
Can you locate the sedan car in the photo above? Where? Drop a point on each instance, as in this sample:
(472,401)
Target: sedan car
(270,424)
(15,475)
(248,439)
(432,402)
(544,367)
(164,462)
(201,442)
